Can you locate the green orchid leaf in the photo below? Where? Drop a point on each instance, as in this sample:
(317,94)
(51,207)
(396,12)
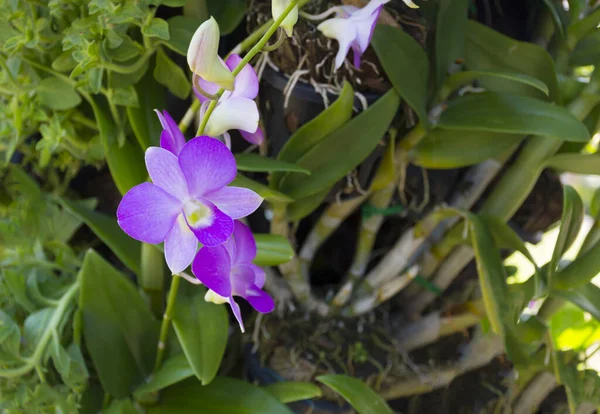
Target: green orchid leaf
(587,51)
(586,297)
(490,50)
(512,114)
(290,391)
(360,136)
(119,331)
(446,148)
(126,163)
(202,329)
(107,230)
(144,122)
(357,393)
(172,371)
(301,208)
(272,250)
(314,131)
(492,276)
(406,65)
(256,162)
(451,24)
(570,224)
(223,395)
(459,79)
(262,190)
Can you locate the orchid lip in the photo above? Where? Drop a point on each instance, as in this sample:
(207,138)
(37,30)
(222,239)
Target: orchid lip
(197,214)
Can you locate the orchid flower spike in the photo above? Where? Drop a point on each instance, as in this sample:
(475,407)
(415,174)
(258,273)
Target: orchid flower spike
(187,201)
(277,9)
(227,271)
(203,57)
(171,138)
(235,109)
(352,28)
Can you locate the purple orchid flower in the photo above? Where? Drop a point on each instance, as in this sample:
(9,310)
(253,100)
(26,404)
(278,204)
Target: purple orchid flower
(171,138)
(352,28)
(187,201)
(236,109)
(227,271)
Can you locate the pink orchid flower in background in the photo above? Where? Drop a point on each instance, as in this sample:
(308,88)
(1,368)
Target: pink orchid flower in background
(188,200)
(227,271)
(352,28)
(171,138)
(236,109)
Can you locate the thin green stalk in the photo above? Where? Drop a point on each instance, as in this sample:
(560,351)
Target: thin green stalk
(34,361)
(130,68)
(253,52)
(166,322)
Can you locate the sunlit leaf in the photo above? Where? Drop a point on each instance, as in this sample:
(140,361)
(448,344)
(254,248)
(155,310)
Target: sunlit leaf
(272,250)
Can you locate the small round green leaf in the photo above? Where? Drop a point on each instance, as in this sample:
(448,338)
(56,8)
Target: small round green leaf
(57,94)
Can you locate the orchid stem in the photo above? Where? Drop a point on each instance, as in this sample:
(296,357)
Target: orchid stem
(166,322)
(253,52)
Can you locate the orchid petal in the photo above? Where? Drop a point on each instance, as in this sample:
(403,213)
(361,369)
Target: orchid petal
(411,4)
(235,308)
(206,86)
(207,165)
(260,277)
(255,138)
(212,266)
(365,27)
(259,299)
(147,213)
(165,172)
(277,9)
(364,13)
(246,82)
(172,138)
(233,113)
(211,296)
(213,228)
(245,245)
(236,202)
(242,279)
(203,58)
(342,30)
(356,55)
(180,246)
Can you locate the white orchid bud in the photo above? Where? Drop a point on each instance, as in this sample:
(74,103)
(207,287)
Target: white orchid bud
(277,9)
(203,56)
(411,4)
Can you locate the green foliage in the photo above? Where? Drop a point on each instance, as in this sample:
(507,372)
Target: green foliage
(222,395)
(119,331)
(406,64)
(290,391)
(202,329)
(357,393)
